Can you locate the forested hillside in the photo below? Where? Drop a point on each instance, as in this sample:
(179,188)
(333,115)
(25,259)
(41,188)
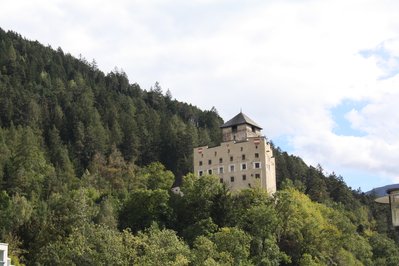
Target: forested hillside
(87,161)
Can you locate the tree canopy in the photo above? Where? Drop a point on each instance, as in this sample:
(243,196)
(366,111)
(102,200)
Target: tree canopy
(87,161)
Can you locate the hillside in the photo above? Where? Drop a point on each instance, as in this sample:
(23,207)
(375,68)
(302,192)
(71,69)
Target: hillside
(87,160)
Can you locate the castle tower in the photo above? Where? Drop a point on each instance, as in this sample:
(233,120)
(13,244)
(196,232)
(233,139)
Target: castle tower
(243,160)
(240,128)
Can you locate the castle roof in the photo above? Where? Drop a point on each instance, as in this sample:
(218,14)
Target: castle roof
(239,120)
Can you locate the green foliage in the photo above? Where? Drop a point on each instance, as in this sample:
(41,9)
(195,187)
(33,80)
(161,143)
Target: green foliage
(157,177)
(27,170)
(145,207)
(385,251)
(235,242)
(90,245)
(85,155)
(205,253)
(161,247)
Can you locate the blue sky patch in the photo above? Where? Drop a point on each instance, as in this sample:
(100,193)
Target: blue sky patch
(284,143)
(343,126)
(386,61)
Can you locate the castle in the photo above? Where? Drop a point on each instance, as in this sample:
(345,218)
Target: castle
(243,160)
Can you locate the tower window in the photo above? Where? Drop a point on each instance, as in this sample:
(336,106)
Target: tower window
(200,163)
(242,148)
(244,177)
(257,165)
(231,158)
(243,157)
(234,129)
(257,175)
(209,161)
(232,168)
(256,155)
(243,166)
(220,160)
(210,171)
(221,180)
(200,173)
(221,170)
(232,178)
(216,153)
(253,129)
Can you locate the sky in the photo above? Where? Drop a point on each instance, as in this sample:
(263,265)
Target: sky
(320,76)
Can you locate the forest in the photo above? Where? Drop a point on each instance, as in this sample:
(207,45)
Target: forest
(88,159)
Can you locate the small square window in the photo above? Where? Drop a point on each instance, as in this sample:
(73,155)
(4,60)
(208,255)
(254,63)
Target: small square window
(243,157)
(200,163)
(244,177)
(220,160)
(256,155)
(257,175)
(243,166)
(210,171)
(209,161)
(232,178)
(257,165)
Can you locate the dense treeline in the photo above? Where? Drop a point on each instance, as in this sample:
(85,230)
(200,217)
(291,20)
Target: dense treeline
(57,94)
(87,161)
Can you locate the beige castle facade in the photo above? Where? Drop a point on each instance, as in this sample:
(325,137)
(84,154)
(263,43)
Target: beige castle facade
(243,160)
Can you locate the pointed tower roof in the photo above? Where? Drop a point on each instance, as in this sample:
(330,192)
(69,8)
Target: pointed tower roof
(240,119)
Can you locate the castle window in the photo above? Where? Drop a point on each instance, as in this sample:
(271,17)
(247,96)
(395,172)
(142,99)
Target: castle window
(257,165)
(256,155)
(232,178)
(221,170)
(249,185)
(216,153)
(221,180)
(234,129)
(200,163)
(231,168)
(253,129)
(220,160)
(200,173)
(243,166)
(244,177)
(209,161)
(231,158)
(257,175)
(242,148)
(243,157)
(210,171)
